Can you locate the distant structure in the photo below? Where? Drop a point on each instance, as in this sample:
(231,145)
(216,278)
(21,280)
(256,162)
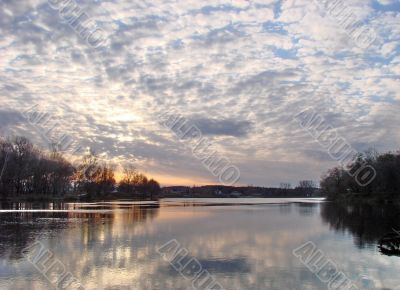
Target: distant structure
(209,191)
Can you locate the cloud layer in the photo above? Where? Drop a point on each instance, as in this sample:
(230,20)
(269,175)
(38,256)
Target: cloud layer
(239,69)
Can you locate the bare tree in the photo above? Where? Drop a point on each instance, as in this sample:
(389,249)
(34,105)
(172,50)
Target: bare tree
(87,173)
(127,184)
(306,184)
(24,169)
(285,186)
(306,187)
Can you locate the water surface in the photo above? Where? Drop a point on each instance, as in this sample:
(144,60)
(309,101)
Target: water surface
(243,243)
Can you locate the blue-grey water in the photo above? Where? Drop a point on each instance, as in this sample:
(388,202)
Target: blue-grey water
(242,243)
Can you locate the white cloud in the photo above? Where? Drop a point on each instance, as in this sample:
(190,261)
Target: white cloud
(217,60)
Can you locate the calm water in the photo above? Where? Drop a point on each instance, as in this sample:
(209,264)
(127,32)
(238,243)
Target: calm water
(243,243)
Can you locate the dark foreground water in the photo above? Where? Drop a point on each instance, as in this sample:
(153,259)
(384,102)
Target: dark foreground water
(235,244)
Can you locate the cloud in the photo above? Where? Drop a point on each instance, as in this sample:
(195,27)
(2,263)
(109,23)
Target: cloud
(9,118)
(387,2)
(240,69)
(227,127)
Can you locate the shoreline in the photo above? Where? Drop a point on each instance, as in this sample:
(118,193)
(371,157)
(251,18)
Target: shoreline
(41,198)
(118,197)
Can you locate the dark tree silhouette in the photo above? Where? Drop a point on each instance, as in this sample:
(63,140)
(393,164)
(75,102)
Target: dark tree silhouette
(343,182)
(137,184)
(25,170)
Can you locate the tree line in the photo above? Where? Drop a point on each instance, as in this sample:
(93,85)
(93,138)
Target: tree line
(25,170)
(384,184)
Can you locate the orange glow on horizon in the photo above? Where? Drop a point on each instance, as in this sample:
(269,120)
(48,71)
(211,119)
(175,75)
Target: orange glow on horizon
(170,180)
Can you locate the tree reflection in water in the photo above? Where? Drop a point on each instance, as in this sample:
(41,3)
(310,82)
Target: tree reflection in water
(19,229)
(113,245)
(370,225)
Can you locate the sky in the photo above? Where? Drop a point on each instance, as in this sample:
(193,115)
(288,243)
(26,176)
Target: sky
(239,70)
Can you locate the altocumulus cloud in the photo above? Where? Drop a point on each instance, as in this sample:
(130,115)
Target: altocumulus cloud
(263,61)
(225,127)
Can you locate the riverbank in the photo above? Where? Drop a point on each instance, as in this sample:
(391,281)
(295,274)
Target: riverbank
(73,198)
(122,196)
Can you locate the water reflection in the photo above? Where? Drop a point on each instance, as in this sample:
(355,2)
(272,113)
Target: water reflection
(307,209)
(20,228)
(114,245)
(368,224)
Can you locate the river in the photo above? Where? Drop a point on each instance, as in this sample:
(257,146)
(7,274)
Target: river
(186,244)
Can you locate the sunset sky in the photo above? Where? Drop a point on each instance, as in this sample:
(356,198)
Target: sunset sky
(239,70)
